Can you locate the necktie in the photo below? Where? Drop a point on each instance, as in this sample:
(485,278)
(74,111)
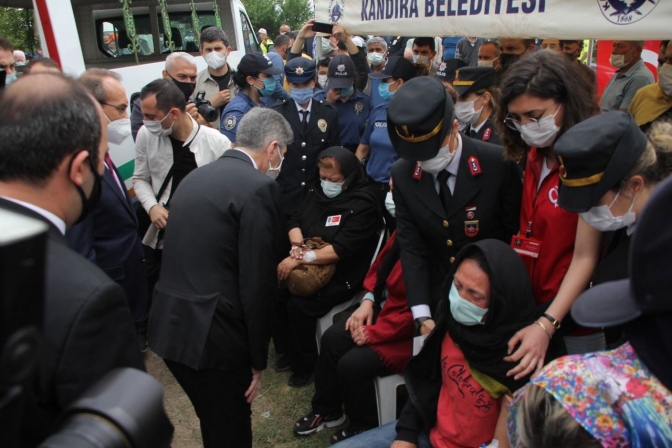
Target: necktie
(444,191)
(304,119)
(473,133)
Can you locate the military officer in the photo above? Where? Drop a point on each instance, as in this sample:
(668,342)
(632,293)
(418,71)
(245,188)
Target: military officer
(315,126)
(475,105)
(353,106)
(448,190)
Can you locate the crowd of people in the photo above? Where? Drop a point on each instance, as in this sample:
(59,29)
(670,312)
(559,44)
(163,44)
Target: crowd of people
(521,226)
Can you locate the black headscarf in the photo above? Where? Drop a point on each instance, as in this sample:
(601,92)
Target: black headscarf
(355,183)
(651,337)
(511,308)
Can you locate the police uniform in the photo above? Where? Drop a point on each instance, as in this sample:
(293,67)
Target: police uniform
(473,79)
(353,113)
(485,201)
(321,132)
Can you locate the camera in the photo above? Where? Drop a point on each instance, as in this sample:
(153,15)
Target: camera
(206,111)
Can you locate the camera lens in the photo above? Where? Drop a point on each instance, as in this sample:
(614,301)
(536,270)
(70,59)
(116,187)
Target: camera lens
(87,431)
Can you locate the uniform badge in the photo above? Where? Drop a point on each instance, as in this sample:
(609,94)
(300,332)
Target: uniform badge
(487,134)
(322,124)
(470,215)
(471,228)
(333,221)
(474,166)
(359,108)
(417,172)
(230,122)
(470,211)
(299,71)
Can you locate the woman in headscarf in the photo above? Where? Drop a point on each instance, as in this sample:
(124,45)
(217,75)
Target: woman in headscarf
(342,209)
(457,384)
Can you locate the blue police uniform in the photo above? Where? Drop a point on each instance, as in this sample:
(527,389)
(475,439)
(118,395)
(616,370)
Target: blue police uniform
(376,99)
(233,112)
(382,154)
(352,116)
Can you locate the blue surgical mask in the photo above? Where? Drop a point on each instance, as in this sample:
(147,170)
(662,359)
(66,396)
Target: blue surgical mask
(417,59)
(269,86)
(464,311)
(384,91)
(346,92)
(301,96)
(331,189)
(326,46)
(10,78)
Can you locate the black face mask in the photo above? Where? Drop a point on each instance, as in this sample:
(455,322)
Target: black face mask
(507,60)
(88,204)
(186,87)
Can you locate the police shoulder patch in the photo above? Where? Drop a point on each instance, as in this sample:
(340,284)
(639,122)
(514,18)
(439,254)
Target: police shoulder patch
(230,122)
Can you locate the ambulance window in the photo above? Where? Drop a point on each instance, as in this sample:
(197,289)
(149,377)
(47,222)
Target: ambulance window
(249,39)
(113,41)
(182,29)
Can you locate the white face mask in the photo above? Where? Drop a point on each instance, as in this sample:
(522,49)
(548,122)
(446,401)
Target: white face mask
(331,189)
(665,79)
(322,79)
(215,60)
(273,173)
(485,63)
(417,59)
(439,162)
(118,130)
(602,219)
(465,112)
(389,203)
(375,58)
(540,134)
(154,127)
(618,60)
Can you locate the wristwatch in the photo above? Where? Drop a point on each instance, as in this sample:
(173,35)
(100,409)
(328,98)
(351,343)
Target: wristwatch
(419,321)
(553,321)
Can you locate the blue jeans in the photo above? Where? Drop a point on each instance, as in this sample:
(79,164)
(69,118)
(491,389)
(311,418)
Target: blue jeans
(380,437)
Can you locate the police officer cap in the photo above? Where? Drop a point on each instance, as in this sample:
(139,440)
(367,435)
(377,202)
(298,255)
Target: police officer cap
(419,117)
(594,156)
(341,72)
(447,68)
(473,79)
(300,70)
(257,62)
(396,67)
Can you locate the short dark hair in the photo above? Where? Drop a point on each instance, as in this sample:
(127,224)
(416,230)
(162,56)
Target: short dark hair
(572,41)
(323,62)
(47,62)
(425,42)
(492,42)
(240,79)
(39,131)
(293,34)
(5,44)
(664,43)
(168,95)
(93,78)
(213,34)
(545,75)
(282,39)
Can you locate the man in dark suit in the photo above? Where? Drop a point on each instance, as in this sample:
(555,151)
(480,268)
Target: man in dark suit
(109,236)
(311,137)
(51,163)
(212,310)
(449,191)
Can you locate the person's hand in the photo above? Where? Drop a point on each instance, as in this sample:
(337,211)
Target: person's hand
(158,214)
(427,327)
(339,33)
(333,95)
(296,252)
(255,385)
(402,444)
(359,336)
(306,30)
(362,316)
(192,110)
(221,98)
(286,266)
(533,345)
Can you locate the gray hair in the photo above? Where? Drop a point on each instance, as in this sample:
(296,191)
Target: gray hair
(92,80)
(214,34)
(260,126)
(173,57)
(376,40)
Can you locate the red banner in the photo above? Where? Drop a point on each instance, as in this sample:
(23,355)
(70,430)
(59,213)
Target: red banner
(605,71)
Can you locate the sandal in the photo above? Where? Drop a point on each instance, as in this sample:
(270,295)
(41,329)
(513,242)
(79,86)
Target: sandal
(345,433)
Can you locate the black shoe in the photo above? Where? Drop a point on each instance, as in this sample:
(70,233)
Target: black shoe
(346,433)
(283,364)
(312,423)
(142,342)
(301,379)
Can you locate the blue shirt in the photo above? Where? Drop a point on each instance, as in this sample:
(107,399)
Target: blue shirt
(352,116)
(232,114)
(449,47)
(376,99)
(382,154)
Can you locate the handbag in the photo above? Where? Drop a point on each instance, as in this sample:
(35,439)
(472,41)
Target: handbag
(306,279)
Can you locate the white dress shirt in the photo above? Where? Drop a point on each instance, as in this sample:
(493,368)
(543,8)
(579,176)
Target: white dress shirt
(55,220)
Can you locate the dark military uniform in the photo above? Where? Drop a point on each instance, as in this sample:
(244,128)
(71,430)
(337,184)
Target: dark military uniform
(473,80)
(487,133)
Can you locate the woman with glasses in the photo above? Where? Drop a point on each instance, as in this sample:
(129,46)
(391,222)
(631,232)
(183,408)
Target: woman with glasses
(542,96)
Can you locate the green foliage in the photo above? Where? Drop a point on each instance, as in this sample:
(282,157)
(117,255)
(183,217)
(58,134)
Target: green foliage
(270,14)
(16,25)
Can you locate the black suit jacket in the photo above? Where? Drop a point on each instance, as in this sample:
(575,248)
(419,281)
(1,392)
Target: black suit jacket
(213,304)
(88,329)
(487,133)
(298,168)
(109,238)
(484,205)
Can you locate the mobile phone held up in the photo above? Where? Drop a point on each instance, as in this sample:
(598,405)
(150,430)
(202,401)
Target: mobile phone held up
(322,27)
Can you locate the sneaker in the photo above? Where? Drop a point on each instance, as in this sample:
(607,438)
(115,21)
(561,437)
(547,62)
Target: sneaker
(312,423)
(301,379)
(283,364)
(346,433)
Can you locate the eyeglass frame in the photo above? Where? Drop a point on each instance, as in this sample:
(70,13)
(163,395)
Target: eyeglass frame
(517,124)
(121,108)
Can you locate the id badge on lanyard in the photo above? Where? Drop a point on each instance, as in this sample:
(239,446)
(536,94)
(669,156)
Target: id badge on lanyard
(526,246)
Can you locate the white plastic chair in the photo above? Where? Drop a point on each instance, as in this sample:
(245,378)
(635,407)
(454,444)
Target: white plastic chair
(386,389)
(326,321)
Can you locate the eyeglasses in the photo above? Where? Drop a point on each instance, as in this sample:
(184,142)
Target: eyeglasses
(515,125)
(121,108)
